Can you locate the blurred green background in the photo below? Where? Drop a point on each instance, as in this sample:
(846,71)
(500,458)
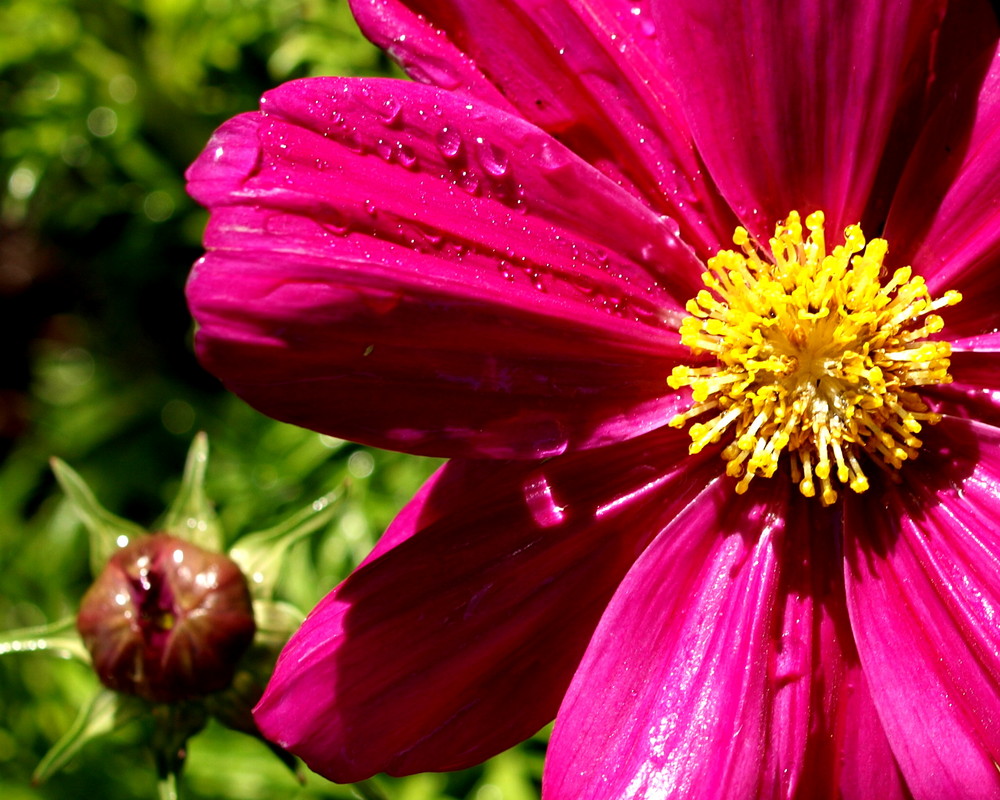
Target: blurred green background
(103,104)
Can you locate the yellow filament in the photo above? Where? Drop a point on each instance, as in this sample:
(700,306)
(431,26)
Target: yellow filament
(815,356)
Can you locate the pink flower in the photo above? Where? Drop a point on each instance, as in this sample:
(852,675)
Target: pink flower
(492,264)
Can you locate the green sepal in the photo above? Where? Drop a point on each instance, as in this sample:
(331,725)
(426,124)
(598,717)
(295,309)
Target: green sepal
(260,554)
(191,516)
(368,790)
(107,531)
(173,725)
(106,712)
(276,622)
(234,707)
(59,638)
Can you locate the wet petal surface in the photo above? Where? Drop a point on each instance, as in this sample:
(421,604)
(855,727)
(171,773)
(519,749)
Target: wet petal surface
(393,265)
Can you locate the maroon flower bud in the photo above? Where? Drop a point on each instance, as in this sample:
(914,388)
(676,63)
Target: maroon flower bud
(167,620)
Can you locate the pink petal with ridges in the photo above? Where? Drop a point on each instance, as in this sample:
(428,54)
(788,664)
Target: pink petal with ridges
(424,51)
(589,72)
(825,739)
(975,363)
(670,698)
(341,265)
(460,640)
(923,587)
(793,105)
(945,220)
(975,392)
(725,667)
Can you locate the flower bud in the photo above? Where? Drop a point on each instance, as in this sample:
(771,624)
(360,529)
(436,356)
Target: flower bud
(167,620)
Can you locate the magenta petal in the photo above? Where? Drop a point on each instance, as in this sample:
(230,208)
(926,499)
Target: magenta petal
(460,640)
(975,391)
(944,220)
(376,219)
(725,667)
(825,739)
(590,73)
(422,50)
(669,700)
(975,366)
(792,104)
(923,588)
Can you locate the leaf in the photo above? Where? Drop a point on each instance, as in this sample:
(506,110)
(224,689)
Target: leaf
(108,711)
(59,638)
(107,531)
(260,554)
(191,515)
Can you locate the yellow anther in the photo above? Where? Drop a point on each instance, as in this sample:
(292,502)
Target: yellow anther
(815,356)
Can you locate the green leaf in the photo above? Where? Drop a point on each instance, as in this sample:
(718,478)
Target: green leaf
(191,515)
(59,638)
(107,531)
(260,554)
(108,711)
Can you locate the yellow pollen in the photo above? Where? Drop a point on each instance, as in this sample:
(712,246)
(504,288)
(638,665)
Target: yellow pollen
(815,356)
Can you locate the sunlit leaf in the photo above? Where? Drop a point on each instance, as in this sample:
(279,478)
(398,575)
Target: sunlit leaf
(59,638)
(260,554)
(191,515)
(107,531)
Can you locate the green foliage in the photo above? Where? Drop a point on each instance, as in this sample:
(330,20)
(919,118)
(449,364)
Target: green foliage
(103,104)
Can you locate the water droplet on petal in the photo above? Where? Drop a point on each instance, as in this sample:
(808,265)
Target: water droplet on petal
(449,142)
(390,111)
(493,159)
(469,182)
(552,156)
(405,155)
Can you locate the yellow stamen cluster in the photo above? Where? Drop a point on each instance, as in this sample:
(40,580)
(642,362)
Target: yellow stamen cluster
(815,356)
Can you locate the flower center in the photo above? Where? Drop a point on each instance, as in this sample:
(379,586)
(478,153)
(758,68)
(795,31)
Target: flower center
(814,356)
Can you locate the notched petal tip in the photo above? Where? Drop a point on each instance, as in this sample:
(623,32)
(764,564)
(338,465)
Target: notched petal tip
(231,157)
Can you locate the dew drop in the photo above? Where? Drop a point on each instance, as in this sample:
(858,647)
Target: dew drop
(493,159)
(469,182)
(405,155)
(552,158)
(449,143)
(390,111)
